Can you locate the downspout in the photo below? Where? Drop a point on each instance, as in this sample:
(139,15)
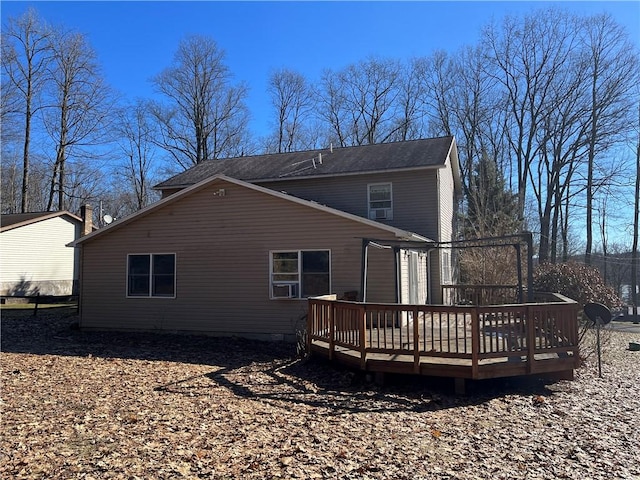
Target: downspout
(429,282)
(80,283)
(396,259)
(363,280)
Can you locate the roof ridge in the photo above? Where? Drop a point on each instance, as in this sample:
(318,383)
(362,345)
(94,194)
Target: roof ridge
(356,159)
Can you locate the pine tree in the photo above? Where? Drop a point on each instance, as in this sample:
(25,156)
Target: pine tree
(491,207)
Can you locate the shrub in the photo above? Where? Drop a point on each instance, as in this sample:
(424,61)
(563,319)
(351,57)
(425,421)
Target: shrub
(580,282)
(584,284)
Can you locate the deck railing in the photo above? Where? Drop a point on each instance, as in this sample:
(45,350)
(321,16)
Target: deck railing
(481,294)
(522,332)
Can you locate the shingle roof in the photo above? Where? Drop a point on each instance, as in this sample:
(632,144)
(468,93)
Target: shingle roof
(15,220)
(430,152)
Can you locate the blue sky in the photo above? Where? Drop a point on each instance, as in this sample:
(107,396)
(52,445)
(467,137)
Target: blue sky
(136,40)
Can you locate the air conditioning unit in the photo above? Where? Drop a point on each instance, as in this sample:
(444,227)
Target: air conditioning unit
(380,214)
(284,290)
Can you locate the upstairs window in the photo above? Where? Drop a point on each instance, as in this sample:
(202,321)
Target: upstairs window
(151,275)
(380,201)
(300,273)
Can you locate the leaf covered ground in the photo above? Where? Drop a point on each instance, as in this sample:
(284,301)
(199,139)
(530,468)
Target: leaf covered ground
(138,406)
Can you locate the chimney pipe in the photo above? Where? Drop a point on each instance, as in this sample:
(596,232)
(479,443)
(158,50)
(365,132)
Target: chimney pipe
(86,213)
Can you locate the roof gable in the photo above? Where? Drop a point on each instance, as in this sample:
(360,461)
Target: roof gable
(17,220)
(383,157)
(399,233)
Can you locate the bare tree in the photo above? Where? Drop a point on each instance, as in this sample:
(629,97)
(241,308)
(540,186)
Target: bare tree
(136,130)
(410,102)
(332,108)
(561,145)
(439,80)
(292,99)
(462,102)
(26,53)
(9,183)
(360,102)
(636,220)
(80,108)
(525,56)
(613,71)
(205,116)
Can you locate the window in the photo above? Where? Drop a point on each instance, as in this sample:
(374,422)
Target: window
(300,274)
(380,201)
(151,275)
(446,267)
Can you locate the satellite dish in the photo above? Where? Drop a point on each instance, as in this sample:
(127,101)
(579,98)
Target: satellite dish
(107,219)
(597,311)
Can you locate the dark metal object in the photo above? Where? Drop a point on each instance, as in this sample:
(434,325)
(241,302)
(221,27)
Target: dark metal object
(600,315)
(597,311)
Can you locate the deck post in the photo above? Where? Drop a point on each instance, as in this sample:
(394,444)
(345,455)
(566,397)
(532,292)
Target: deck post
(331,314)
(574,336)
(362,314)
(416,342)
(475,342)
(531,339)
(519,265)
(528,236)
(311,311)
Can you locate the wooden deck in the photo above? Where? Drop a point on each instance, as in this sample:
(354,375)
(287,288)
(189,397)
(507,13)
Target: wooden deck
(461,342)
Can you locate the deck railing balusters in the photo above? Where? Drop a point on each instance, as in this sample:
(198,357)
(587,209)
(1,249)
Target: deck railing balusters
(536,332)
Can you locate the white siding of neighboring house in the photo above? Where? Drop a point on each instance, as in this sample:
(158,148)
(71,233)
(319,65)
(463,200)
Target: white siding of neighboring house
(35,259)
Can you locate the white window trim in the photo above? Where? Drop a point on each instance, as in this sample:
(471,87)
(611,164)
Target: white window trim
(299,280)
(371,215)
(175,275)
(445,258)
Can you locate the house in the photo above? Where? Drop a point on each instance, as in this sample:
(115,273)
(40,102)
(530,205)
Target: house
(412,185)
(236,246)
(34,256)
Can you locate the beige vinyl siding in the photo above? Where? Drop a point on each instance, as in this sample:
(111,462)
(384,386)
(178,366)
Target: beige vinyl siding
(34,258)
(381,275)
(222,246)
(415,196)
(445,227)
(446,201)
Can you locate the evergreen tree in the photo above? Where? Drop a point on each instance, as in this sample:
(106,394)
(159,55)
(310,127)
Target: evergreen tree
(492,210)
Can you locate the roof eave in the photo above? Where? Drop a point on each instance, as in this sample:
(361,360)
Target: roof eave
(40,219)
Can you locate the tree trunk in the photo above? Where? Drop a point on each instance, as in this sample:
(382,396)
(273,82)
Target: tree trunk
(636,227)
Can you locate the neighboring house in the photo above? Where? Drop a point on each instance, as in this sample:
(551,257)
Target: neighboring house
(235,248)
(34,254)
